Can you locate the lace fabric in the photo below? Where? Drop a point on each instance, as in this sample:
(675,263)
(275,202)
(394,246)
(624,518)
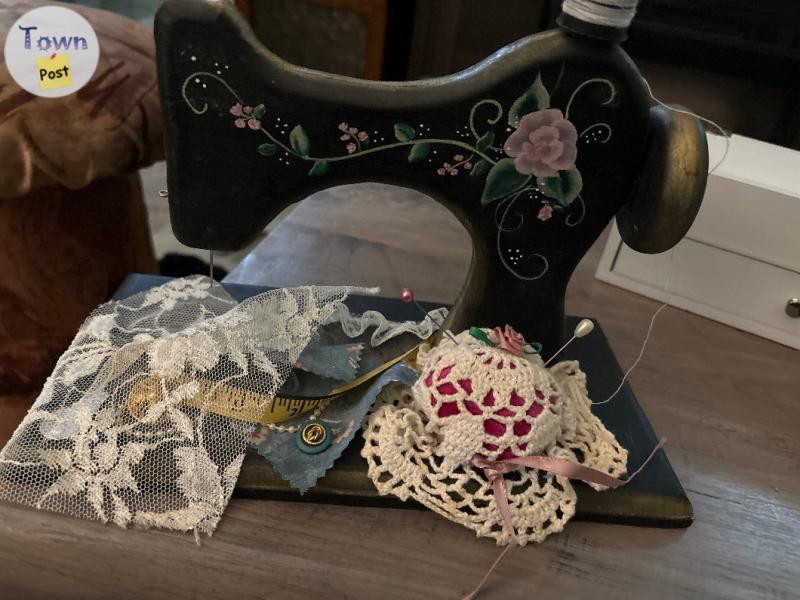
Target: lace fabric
(132,428)
(472,399)
(385,330)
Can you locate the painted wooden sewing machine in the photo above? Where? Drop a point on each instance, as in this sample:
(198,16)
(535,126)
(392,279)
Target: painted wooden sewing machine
(534,150)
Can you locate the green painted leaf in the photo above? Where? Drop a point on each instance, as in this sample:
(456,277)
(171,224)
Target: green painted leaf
(502,180)
(258,111)
(563,187)
(535,98)
(486,141)
(403,132)
(267,149)
(419,152)
(320,168)
(299,140)
(479,169)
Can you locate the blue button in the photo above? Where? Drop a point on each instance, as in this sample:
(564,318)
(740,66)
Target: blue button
(313,437)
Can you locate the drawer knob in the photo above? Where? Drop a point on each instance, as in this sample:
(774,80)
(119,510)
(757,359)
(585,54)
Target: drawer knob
(793,308)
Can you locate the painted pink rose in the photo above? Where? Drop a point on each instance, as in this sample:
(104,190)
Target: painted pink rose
(545,212)
(509,340)
(240,123)
(543,144)
(236,110)
(254,123)
(351,147)
(362,135)
(247,110)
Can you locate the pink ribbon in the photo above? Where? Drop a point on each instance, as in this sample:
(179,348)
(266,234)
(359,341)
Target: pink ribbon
(495,469)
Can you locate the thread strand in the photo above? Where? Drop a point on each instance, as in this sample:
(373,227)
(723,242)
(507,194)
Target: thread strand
(666,287)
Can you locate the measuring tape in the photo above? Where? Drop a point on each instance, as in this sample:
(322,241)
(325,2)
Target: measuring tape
(238,403)
(220,399)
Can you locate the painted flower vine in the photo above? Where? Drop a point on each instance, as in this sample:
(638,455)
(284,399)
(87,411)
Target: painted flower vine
(538,158)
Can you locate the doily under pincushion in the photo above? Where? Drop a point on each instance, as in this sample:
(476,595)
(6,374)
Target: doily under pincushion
(472,400)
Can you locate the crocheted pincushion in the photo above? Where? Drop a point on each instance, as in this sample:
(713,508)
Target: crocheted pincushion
(473,399)
(487,401)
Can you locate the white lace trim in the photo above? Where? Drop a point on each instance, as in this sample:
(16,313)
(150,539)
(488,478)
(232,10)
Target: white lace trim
(353,326)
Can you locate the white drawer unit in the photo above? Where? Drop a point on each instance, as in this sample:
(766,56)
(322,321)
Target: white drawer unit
(740,261)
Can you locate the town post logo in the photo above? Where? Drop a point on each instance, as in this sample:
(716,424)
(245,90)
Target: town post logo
(51,51)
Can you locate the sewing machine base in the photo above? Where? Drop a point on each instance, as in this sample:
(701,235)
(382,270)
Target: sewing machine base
(654,498)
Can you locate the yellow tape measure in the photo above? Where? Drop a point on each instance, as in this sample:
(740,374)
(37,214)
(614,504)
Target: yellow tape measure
(238,403)
(220,399)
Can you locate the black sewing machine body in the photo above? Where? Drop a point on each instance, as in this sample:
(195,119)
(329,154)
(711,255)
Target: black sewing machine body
(248,134)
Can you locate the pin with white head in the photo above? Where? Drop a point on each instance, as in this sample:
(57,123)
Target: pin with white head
(407,296)
(584,328)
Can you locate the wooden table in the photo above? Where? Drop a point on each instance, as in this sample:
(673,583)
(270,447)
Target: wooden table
(727,401)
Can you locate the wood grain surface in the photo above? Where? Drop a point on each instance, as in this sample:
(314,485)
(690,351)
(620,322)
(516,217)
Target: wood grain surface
(726,400)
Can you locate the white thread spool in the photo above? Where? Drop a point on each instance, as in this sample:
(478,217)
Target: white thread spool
(606,13)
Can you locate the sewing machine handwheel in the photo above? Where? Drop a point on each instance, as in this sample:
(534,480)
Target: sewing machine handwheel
(667,196)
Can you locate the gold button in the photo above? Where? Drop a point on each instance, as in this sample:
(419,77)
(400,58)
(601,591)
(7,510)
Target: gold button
(313,437)
(314,434)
